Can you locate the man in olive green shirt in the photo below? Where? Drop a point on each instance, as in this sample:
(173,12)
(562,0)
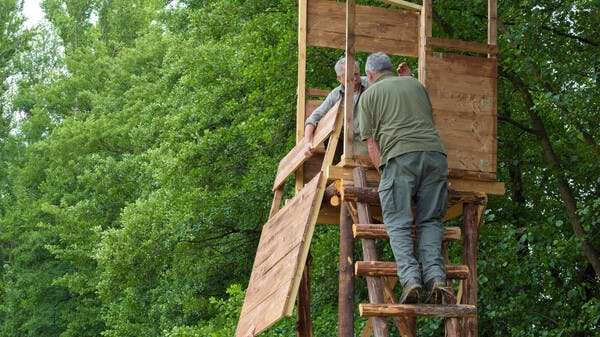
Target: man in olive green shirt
(397,123)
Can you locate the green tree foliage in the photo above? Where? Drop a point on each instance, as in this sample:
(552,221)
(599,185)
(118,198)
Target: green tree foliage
(137,179)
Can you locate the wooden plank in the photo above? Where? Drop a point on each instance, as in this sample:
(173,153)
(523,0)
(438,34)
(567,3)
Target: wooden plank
(295,157)
(458,105)
(425,22)
(280,260)
(389,268)
(468,46)
(377,29)
(313,92)
(417,310)
(404,4)
(378,231)
(461,65)
(492,23)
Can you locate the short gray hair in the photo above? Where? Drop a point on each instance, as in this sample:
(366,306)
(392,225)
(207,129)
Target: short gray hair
(378,63)
(341,63)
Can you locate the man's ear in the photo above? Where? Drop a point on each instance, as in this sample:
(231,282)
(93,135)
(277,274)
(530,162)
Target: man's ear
(370,77)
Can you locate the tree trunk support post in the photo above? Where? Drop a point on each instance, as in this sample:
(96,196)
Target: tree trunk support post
(471,224)
(304,324)
(346,267)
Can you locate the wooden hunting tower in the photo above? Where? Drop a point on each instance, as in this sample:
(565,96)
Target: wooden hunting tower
(460,77)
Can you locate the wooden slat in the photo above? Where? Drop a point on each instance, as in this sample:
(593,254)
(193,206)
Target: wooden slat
(474,47)
(417,310)
(377,29)
(295,157)
(378,231)
(404,4)
(313,92)
(387,268)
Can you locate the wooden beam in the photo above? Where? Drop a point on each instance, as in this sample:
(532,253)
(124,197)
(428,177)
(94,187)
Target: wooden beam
(404,4)
(424,34)
(378,231)
(474,47)
(349,80)
(471,225)
(346,275)
(417,310)
(388,268)
(492,24)
(301,91)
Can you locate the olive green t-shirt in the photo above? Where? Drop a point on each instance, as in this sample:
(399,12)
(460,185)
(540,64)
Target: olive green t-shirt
(396,112)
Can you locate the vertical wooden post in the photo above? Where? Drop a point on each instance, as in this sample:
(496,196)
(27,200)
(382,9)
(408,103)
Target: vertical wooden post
(346,287)
(424,34)
(349,81)
(304,324)
(471,225)
(301,89)
(492,24)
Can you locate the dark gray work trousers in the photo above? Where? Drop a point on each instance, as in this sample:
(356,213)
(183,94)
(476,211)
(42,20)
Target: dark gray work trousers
(418,177)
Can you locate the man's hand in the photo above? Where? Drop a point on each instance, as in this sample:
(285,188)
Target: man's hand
(308,149)
(403,70)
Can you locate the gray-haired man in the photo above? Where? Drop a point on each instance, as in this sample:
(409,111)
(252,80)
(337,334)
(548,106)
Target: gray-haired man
(397,124)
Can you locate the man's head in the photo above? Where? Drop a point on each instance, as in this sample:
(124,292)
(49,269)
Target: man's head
(377,64)
(340,70)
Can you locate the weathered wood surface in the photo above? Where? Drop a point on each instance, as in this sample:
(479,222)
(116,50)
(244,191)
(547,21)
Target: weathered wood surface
(462,90)
(377,29)
(378,231)
(414,310)
(292,161)
(475,47)
(279,262)
(388,268)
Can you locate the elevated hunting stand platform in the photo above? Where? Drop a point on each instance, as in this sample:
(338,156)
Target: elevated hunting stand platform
(460,77)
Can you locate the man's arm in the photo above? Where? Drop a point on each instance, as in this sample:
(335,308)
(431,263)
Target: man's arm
(373,152)
(309,132)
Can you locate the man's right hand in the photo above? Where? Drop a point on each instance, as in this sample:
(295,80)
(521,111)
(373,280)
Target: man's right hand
(307,149)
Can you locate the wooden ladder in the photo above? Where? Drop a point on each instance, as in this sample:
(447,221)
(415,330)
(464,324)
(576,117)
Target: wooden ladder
(381,276)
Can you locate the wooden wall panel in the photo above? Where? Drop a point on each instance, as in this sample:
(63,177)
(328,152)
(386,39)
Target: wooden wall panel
(283,244)
(462,90)
(377,29)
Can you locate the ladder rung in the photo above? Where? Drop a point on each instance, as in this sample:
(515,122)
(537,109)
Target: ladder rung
(386,268)
(377,231)
(414,310)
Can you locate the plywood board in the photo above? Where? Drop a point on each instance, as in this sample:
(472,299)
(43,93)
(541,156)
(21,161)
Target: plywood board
(377,29)
(280,260)
(462,90)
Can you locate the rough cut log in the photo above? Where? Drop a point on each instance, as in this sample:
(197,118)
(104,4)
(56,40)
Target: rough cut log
(387,268)
(413,310)
(377,231)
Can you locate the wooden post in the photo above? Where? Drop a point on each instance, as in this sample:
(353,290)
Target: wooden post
(301,89)
(471,223)
(304,324)
(424,34)
(492,24)
(346,287)
(349,81)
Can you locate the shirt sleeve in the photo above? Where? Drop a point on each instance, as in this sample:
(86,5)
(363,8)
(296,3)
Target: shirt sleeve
(365,119)
(327,104)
